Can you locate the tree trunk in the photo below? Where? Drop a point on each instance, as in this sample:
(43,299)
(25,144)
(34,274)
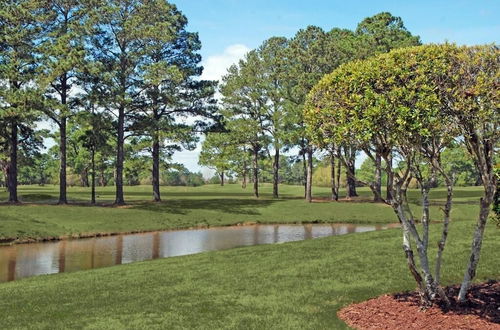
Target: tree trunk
(351,185)
(390,179)
(276,167)
(156,168)
(92,197)
(12,177)
(406,206)
(119,200)
(84,178)
(222,179)
(102,178)
(304,163)
(426,283)
(62,155)
(256,171)
(377,192)
(309,174)
(335,190)
(244,181)
(477,241)
(446,222)
(339,171)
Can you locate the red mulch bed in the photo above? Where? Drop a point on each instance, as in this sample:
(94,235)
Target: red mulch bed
(402,311)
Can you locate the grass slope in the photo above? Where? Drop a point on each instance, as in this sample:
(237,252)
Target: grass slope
(298,285)
(183,207)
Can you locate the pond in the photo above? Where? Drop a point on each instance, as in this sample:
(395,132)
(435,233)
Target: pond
(24,260)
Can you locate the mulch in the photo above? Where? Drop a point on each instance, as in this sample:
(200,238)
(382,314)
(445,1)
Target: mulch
(403,311)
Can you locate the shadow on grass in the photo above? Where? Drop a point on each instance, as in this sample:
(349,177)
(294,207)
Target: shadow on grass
(234,206)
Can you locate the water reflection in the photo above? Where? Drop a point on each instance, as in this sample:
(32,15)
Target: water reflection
(26,260)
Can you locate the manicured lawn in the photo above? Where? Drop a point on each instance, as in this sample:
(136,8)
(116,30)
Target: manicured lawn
(298,285)
(294,285)
(183,207)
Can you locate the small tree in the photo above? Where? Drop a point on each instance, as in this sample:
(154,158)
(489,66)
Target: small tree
(244,102)
(94,136)
(218,151)
(473,96)
(413,101)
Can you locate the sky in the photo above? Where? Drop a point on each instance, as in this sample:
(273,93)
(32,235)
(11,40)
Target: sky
(230,28)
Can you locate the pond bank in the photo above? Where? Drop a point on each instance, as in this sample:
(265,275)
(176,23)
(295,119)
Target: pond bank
(17,262)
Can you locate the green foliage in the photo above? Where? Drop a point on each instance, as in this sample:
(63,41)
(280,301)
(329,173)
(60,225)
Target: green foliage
(178,175)
(366,171)
(457,161)
(381,33)
(218,152)
(19,31)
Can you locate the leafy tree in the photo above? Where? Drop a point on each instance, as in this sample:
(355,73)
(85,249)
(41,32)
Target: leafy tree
(381,33)
(95,137)
(169,91)
(456,161)
(121,44)
(310,60)
(62,53)
(391,103)
(375,35)
(244,103)
(19,35)
(367,171)
(472,96)
(179,175)
(415,101)
(274,64)
(218,151)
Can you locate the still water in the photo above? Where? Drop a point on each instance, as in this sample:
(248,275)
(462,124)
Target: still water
(24,260)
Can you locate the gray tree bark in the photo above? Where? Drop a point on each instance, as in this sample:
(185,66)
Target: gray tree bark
(276,167)
(309,175)
(12,168)
(119,199)
(256,171)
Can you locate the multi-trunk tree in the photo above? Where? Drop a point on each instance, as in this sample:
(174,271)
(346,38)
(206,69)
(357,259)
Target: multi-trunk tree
(412,102)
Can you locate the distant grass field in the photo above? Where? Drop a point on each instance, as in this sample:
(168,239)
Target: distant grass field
(183,207)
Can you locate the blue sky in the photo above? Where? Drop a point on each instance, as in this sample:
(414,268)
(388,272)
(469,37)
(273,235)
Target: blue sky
(225,22)
(229,28)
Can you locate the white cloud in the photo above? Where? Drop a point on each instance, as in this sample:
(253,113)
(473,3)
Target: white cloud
(215,66)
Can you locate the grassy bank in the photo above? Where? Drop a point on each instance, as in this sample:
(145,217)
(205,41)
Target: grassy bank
(38,217)
(294,285)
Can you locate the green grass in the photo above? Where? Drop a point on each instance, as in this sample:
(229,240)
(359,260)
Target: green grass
(183,207)
(298,285)
(293,285)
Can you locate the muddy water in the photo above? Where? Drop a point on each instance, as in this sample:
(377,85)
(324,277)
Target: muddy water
(24,260)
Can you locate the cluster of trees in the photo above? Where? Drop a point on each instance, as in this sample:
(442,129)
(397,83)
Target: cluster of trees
(263,98)
(412,105)
(102,72)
